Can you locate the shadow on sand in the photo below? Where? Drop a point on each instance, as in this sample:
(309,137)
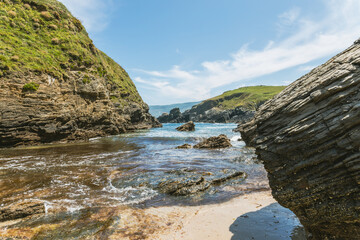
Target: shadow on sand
(273,222)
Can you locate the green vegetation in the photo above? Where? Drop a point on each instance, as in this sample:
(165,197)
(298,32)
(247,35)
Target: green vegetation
(86,79)
(42,36)
(31,87)
(248,97)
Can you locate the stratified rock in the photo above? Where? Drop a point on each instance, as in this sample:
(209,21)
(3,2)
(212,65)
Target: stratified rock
(191,183)
(187,127)
(184,186)
(308,137)
(61,89)
(184,146)
(21,210)
(221,141)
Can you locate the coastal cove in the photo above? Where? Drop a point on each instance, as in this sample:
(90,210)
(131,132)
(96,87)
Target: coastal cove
(123,172)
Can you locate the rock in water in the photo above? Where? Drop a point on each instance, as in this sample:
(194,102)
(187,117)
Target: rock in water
(221,141)
(63,88)
(308,137)
(21,210)
(187,127)
(184,146)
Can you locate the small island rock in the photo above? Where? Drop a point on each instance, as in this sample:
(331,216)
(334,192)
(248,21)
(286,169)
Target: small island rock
(221,141)
(187,127)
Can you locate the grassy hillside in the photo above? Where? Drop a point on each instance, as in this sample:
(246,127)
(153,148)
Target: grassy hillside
(42,36)
(248,97)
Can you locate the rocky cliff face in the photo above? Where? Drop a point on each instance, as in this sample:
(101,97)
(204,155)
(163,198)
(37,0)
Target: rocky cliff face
(237,106)
(55,85)
(308,137)
(212,115)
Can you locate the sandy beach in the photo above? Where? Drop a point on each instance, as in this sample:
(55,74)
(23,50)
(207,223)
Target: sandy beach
(253,216)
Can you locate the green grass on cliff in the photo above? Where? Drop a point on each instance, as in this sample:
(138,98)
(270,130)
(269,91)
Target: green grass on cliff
(42,36)
(248,97)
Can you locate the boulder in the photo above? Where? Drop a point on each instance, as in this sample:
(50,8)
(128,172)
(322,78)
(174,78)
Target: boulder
(308,137)
(221,141)
(187,127)
(187,182)
(21,210)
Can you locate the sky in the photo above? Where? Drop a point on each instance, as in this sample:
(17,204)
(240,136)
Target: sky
(190,50)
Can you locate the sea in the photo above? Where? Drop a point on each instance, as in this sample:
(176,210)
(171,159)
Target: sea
(126,170)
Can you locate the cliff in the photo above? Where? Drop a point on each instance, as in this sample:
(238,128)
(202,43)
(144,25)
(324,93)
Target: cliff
(55,85)
(237,105)
(308,137)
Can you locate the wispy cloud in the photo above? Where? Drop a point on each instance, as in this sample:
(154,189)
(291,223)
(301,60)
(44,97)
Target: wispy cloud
(94,14)
(312,40)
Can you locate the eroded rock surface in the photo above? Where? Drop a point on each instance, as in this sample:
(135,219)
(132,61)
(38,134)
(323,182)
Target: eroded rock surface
(21,210)
(189,183)
(187,127)
(221,141)
(308,137)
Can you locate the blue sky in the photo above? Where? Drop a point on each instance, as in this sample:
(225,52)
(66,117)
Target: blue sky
(189,50)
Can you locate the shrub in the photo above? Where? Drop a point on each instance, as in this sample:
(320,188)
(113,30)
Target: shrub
(86,79)
(15,58)
(12,14)
(46,15)
(27,6)
(55,41)
(77,24)
(53,27)
(31,87)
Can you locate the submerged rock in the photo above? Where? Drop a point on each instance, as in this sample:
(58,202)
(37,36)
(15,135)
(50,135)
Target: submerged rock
(185,146)
(21,210)
(308,137)
(221,141)
(187,127)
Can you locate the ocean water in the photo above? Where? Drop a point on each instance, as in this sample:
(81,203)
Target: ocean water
(126,169)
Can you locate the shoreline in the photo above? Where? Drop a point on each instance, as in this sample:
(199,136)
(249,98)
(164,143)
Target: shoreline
(251,216)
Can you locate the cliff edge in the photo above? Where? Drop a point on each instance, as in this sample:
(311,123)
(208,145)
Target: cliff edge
(308,137)
(55,85)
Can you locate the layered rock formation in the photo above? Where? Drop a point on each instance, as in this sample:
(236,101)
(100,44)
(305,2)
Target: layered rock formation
(21,210)
(308,137)
(55,85)
(212,115)
(221,141)
(236,106)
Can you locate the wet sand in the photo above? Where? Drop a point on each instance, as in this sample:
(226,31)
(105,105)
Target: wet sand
(252,216)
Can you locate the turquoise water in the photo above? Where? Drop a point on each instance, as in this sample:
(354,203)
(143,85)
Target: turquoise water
(125,169)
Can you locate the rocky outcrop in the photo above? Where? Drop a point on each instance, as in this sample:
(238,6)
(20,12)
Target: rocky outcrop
(237,106)
(21,210)
(212,115)
(187,127)
(184,146)
(308,137)
(221,141)
(61,89)
(194,183)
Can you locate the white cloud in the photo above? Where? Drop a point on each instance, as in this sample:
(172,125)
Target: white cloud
(289,17)
(312,40)
(94,14)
